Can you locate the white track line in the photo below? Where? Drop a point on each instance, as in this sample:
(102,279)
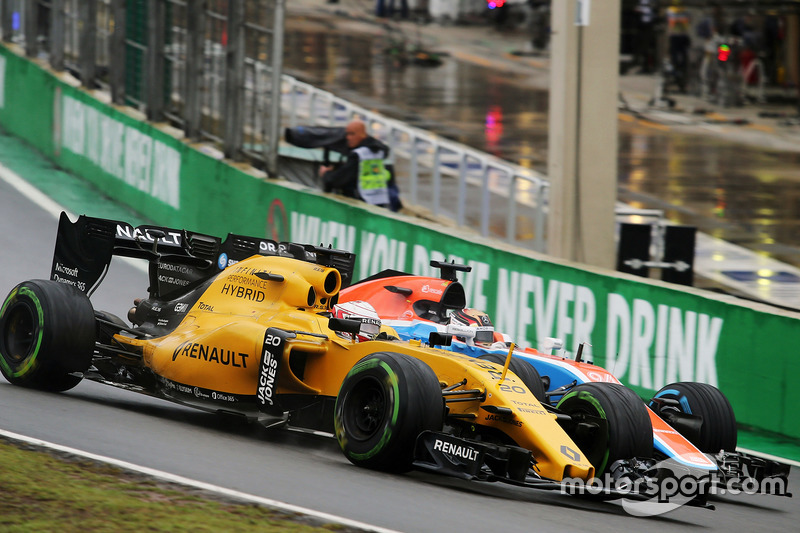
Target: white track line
(32,193)
(172,478)
(770,457)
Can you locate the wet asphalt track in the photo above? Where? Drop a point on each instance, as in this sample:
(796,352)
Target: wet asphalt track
(300,469)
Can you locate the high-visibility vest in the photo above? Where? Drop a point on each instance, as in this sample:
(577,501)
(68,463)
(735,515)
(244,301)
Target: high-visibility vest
(373,177)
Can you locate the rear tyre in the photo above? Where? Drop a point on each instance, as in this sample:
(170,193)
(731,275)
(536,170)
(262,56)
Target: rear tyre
(716,428)
(524,371)
(47,335)
(609,422)
(386,400)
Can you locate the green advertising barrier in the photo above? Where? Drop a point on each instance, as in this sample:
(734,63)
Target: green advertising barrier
(647,333)
(26,97)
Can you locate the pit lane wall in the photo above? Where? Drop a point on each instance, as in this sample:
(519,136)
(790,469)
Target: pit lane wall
(647,333)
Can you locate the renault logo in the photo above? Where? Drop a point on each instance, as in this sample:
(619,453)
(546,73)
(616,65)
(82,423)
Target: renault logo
(569,452)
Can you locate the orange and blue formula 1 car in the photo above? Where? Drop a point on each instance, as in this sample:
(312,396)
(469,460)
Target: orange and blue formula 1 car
(690,425)
(244,326)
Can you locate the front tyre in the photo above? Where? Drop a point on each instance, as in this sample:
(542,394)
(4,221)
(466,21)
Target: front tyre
(386,400)
(709,408)
(609,422)
(47,335)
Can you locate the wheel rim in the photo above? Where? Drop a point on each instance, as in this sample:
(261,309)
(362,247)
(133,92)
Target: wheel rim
(587,440)
(18,334)
(593,438)
(366,409)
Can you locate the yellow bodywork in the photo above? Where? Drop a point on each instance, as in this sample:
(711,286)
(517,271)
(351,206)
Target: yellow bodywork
(219,343)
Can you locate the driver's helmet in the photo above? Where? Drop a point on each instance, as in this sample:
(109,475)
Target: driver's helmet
(363,312)
(484,336)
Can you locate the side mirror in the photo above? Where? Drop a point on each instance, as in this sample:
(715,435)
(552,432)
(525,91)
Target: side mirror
(439,339)
(345,325)
(552,344)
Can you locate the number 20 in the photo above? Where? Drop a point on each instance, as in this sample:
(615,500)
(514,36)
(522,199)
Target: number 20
(512,388)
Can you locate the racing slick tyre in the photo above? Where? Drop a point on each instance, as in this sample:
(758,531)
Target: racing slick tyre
(524,371)
(386,400)
(710,424)
(609,422)
(47,335)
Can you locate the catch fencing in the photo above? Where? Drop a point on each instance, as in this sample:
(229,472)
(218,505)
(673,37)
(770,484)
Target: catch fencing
(213,68)
(210,67)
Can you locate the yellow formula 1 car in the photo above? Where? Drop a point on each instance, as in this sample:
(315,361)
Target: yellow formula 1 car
(244,326)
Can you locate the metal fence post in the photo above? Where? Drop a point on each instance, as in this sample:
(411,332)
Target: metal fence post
(511,220)
(117,66)
(462,189)
(293,103)
(540,241)
(312,106)
(88,42)
(31,28)
(271,154)
(437,178)
(193,71)
(5,23)
(485,205)
(332,111)
(57,34)
(414,167)
(155,60)
(234,81)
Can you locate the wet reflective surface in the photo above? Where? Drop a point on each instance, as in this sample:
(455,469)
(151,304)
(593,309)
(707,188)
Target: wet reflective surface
(748,196)
(489,110)
(742,194)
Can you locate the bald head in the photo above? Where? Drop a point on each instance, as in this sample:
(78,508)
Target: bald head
(355,132)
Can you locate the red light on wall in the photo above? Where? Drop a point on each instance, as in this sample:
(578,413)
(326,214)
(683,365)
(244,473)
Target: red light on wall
(494,129)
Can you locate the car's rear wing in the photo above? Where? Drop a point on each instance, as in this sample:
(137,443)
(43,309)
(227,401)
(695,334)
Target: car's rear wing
(178,258)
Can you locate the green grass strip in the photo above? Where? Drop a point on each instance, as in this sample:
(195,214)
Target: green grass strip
(43,492)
